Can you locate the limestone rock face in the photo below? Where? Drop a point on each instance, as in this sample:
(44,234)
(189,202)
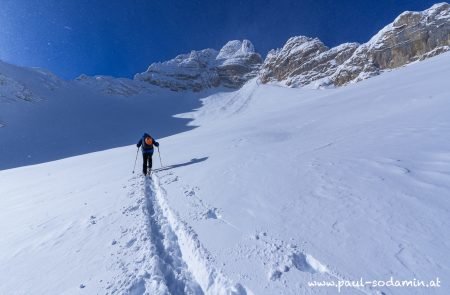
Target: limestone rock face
(412,36)
(303,60)
(231,67)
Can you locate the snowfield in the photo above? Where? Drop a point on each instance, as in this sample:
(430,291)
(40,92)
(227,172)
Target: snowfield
(275,189)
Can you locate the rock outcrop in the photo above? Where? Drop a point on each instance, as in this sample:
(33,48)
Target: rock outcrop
(412,36)
(231,67)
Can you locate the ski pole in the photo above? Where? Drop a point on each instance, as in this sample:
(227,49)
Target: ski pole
(160,161)
(134,167)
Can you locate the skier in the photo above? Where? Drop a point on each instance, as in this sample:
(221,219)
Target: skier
(147,143)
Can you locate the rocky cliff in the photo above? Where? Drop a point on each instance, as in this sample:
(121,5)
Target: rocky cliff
(412,36)
(303,60)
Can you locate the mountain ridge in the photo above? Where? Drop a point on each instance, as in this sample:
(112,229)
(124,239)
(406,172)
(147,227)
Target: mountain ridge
(305,61)
(301,62)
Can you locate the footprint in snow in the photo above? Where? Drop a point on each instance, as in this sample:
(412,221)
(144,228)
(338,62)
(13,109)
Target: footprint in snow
(190,192)
(130,243)
(211,213)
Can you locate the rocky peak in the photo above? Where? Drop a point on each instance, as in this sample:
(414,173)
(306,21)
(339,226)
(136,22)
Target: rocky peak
(232,66)
(235,49)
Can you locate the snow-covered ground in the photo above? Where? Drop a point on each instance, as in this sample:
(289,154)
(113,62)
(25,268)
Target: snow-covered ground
(276,189)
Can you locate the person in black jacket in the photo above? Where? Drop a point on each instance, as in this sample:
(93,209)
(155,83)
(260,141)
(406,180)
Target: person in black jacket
(147,143)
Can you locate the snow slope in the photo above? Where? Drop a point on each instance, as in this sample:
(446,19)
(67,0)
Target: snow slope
(278,187)
(43,118)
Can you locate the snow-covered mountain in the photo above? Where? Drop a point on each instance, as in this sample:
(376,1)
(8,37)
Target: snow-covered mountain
(302,61)
(276,189)
(412,36)
(236,63)
(25,84)
(307,61)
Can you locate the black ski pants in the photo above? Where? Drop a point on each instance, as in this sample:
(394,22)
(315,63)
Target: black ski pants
(147,162)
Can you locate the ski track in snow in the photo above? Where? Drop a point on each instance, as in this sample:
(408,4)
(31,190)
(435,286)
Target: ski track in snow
(198,260)
(277,256)
(168,257)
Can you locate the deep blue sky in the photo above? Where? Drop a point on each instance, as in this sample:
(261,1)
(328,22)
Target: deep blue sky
(122,37)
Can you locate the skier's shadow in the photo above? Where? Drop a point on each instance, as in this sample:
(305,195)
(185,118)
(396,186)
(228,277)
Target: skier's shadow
(192,161)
